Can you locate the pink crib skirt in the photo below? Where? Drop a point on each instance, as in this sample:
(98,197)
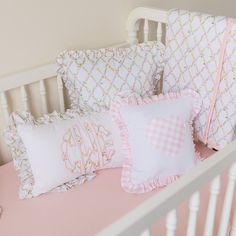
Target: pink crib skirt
(84,210)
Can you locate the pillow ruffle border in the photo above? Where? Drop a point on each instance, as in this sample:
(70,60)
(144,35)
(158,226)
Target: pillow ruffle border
(157,182)
(19,153)
(80,56)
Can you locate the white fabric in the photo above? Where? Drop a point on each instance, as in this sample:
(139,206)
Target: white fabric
(63,150)
(194,44)
(94,77)
(146,156)
(157,138)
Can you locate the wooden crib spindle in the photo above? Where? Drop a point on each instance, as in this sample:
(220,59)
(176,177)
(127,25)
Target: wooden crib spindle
(42,91)
(159,31)
(61,94)
(228,201)
(146,232)
(24,98)
(5,107)
(214,191)
(171,223)
(132,37)
(233,231)
(146,30)
(193,212)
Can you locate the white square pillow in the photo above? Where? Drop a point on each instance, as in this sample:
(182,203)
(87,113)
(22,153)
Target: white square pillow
(59,148)
(157,141)
(94,77)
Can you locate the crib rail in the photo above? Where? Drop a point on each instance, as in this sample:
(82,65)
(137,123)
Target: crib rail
(147,14)
(21,80)
(164,203)
(139,220)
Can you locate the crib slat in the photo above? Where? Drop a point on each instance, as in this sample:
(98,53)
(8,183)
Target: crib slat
(233,231)
(42,91)
(146,232)
(171,223)
(132,37)
(61,95)
(214,191)
(227,201)
(146,30)
(159,31)
(24,98)
(5,107)
(193,212)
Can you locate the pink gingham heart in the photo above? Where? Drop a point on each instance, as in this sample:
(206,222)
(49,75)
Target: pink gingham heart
(167,134)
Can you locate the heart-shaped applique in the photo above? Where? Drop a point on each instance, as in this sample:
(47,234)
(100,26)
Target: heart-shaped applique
(167,134)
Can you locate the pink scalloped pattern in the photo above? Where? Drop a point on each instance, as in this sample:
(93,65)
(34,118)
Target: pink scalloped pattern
(156,182)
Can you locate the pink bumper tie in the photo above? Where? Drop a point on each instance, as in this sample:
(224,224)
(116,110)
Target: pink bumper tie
(218,77)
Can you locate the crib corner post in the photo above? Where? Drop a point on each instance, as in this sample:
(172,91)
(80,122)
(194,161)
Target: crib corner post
(132,29)
(132,37)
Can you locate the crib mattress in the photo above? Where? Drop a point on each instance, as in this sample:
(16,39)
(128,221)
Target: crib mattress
(84,210)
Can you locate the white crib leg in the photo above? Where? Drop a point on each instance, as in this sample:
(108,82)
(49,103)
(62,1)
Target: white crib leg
(171,223)
(193,211)
(146,232)
(233,231)
(214,191)
(228,202)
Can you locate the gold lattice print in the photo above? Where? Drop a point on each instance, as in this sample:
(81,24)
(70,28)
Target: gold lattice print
(94,77)
(194,43)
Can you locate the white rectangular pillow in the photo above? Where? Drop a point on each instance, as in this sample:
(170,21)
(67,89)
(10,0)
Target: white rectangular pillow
(62,147)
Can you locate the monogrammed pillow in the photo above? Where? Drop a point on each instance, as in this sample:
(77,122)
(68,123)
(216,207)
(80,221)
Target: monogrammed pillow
(61,148)
(94,77)
(157,141)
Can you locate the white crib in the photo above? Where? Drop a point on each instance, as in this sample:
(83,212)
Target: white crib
(138,221)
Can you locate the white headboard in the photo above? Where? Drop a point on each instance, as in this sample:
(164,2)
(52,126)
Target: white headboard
(40,91)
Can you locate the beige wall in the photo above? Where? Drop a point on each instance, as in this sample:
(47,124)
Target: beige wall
(33,32)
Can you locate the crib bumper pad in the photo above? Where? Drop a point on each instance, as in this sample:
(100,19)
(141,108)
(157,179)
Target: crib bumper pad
(201,55)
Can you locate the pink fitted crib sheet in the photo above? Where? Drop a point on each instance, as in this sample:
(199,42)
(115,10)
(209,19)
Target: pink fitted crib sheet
(84,210)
